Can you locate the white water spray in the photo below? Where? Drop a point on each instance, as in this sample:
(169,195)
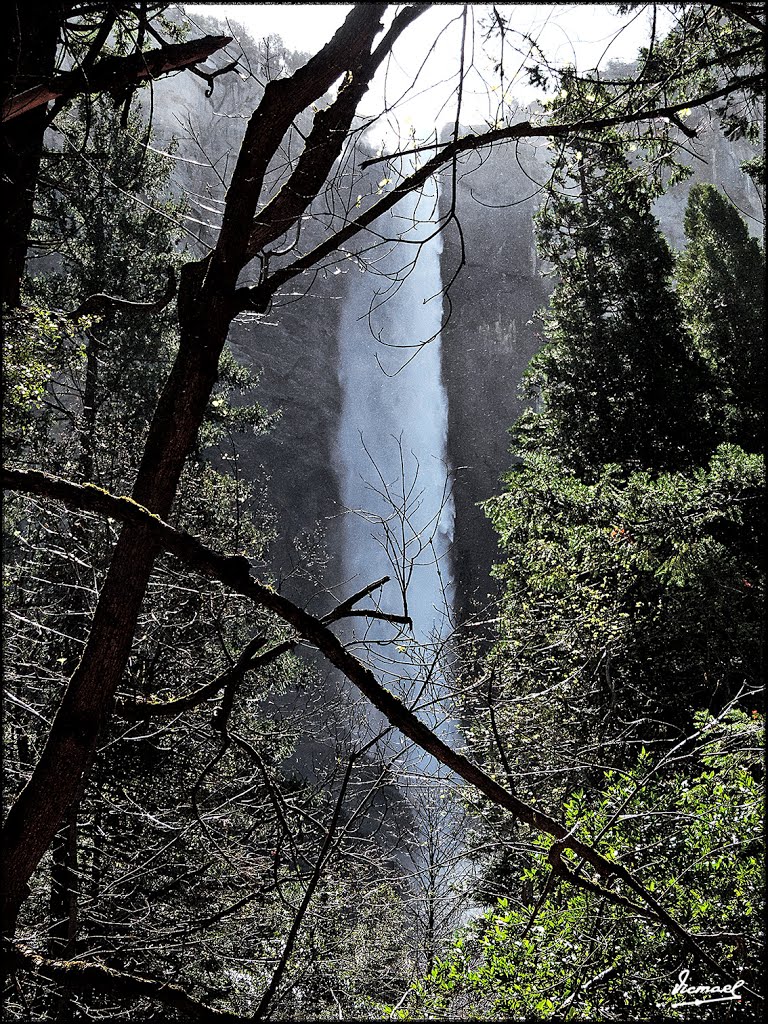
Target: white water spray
(392,459)
(395,484)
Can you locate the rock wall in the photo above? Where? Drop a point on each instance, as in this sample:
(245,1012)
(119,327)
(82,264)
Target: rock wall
(489,338)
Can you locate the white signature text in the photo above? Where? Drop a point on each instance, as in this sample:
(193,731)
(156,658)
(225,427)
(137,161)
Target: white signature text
(704,993)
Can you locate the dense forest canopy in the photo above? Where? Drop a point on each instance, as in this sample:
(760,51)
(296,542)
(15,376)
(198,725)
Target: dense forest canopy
(208,812)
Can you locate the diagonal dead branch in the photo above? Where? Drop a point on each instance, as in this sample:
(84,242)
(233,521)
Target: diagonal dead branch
(115,73)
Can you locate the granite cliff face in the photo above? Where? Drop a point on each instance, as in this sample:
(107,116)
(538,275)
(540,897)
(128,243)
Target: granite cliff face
(490,336)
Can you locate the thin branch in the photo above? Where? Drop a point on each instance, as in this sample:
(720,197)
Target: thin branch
(80,975)
(211,76)
(100,302)
(317,871)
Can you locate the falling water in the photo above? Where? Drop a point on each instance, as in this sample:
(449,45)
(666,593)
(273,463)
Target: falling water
(393,470)
(395,486)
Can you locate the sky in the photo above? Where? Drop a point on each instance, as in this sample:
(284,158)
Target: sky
(584,34)
(587,28)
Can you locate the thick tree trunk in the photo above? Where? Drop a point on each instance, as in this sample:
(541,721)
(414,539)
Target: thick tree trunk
(34,818)
(30,57)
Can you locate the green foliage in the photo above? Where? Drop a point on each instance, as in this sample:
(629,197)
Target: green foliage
(708,46)
(229,411)
(33,338)
(632,538)
(616,380)
(115,230)
(689,829)
(111,230)
(755,168)
(628,603)
(720,280)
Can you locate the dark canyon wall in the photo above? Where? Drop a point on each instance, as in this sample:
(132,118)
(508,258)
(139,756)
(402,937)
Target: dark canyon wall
(490,336)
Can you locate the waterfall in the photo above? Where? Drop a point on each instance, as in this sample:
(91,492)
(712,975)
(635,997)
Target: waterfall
(395,485)
(392,457)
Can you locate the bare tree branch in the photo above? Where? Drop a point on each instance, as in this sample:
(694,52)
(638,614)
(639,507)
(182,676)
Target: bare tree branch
(281,103)
(257,297)
(298,918)
(250,660)
(112,74)
(99,302)
(210,77)
(83,975)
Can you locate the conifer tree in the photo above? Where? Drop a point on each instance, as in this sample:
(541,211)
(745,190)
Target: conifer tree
(616,374)
(720,280)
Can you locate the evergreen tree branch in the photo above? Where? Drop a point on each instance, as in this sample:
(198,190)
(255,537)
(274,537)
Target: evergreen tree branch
(748,13)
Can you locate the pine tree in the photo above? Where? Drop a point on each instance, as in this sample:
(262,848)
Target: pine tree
(721,279)
(616,375)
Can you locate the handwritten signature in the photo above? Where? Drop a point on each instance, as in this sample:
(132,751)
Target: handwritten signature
(704,993)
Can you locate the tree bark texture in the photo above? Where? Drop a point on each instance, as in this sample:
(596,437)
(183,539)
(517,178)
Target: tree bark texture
(30,56)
